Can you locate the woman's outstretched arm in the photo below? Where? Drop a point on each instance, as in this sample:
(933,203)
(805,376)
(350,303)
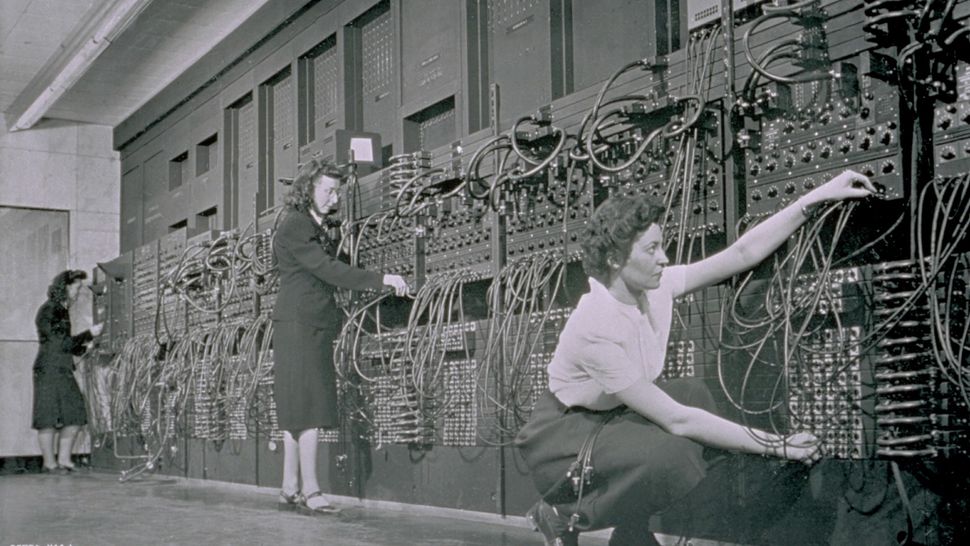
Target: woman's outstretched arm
(763,239)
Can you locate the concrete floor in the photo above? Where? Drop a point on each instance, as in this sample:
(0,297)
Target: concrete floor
(91,508)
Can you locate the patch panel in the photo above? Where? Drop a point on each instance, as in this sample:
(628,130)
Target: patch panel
(681,356)
(951,130)
(826,395)
(449,338)
(459,240)
(831,292)
(549,216)
(397,413)
(804,142)
(144,288)
(919,412)
(392,251)
(460,420)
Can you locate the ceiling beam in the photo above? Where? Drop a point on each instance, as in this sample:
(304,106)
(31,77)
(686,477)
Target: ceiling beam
(91,37)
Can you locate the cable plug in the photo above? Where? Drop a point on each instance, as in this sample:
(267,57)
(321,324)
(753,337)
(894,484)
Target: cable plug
(654,62)
(542,117)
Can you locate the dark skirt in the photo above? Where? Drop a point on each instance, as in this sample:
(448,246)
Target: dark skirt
(58,401)
(639,469)
(305,383)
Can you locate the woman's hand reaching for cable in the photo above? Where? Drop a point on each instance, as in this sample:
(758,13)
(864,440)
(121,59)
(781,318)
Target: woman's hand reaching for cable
(801,446)
(398,283)
(846,185)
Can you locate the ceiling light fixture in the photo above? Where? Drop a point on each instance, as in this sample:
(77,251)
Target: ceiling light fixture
(67,67)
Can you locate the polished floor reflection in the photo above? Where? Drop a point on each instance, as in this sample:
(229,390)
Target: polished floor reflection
(88,508)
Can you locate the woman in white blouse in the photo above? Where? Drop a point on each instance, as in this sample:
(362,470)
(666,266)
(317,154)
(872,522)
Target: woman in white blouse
(644,440)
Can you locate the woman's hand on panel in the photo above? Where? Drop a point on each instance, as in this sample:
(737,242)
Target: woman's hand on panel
(398,283)
(801,446)
(846,185)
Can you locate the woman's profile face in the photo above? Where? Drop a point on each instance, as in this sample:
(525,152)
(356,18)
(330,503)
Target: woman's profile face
(644,267)
(325,194)
(73,290)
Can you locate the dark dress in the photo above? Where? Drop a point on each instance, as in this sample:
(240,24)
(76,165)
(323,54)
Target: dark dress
(306,320)
(57,399)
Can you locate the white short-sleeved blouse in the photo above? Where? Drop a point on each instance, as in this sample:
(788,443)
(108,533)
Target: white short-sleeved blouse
(608,345)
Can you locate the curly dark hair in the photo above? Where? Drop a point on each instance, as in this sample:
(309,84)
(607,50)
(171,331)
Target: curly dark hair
(57,291)
(613,228)
(300,194)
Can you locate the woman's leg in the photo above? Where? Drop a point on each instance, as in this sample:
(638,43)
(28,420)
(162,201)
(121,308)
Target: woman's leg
(291,464)
(308,467)
(45,437)
(65,446)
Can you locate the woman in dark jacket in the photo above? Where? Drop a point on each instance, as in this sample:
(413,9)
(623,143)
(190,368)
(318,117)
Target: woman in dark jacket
(58,403)
(305,323)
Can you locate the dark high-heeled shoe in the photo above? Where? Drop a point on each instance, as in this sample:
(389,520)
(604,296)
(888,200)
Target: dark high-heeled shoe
(325,510)
(553,526)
